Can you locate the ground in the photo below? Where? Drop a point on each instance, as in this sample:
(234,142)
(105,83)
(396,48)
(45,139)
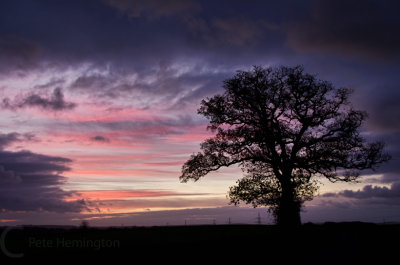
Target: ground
(330,243)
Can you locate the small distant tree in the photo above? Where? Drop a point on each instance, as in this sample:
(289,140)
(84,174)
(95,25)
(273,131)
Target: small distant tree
(84,224)
(285,128)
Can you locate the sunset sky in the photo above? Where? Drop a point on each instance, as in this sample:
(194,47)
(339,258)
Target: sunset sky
(99,99)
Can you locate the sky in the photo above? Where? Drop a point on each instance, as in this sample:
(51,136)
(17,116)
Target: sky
(99,99)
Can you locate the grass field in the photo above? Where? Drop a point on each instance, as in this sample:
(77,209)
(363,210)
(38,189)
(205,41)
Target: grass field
(330,243)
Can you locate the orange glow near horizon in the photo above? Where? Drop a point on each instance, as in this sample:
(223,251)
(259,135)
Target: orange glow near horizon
(123,194)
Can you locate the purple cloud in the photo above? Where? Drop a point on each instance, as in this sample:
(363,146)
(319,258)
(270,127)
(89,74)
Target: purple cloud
(32,182)
(99,138)
(54,102)
(10,138)
(371,194)
(348,28)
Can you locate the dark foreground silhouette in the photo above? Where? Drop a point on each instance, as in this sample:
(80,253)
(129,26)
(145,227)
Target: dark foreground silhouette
(330,243)
(286,129)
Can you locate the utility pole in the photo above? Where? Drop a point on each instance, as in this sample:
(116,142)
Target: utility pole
(258,219)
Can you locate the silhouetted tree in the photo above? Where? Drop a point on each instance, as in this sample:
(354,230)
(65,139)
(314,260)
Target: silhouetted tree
(84,224)
(285,128)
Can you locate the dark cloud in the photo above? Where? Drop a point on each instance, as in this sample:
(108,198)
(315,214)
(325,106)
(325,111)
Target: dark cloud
(240,30)
(224,31)
(382,102)
(72,32)
(54,102)
(94,30)
(10,138)
(155,8)
(99,138)
(17,53)
(28,162)
(372,194)
(328,210)
(8,176)
(389,178)
(234,31)
(390,171)
(201,24)
(368,28)
(32,182)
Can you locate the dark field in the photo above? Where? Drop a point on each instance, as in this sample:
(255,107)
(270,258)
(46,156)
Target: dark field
(330,243)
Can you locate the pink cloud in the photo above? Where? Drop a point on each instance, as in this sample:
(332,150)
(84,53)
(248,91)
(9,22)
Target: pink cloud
(105,195)
(163,164)
(124,201)
(101,113)
(192,134)
(120,173)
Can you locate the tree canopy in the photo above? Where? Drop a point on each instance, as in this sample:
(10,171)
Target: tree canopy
(285,128)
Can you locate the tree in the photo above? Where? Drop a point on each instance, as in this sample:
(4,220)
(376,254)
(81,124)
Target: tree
(286,129)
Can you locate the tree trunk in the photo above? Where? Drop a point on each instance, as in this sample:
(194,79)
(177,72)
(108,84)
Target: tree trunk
(288,210)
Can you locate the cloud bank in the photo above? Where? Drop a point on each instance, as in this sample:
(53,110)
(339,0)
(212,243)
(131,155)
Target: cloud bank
(33,182)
